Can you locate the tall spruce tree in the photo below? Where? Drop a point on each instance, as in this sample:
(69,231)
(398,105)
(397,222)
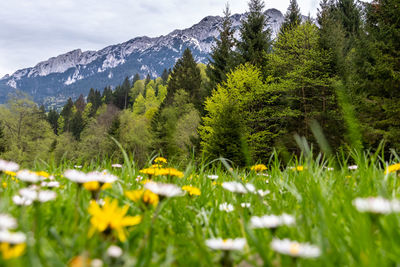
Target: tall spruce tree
(185,75)
(292,17)
(222,56)
(255,37)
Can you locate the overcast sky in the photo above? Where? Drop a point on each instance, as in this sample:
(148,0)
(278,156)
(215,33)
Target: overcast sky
(35,30)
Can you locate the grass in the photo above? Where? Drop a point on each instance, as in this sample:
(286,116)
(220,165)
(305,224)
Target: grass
(319,199)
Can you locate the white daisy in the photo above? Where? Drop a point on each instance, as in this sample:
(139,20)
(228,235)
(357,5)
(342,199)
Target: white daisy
(116,165)
(226,207)
(238,187)
(212,176)
(245,205)
(46,195)
(51,184)
(8,166)
(76,176)
(166,190)
(22,201)
(114,251)
(36,195)
(139,178)
(262,192)
(12,238)
(295,249)
(78,166)
(7,222)
(377,205)
(271,221)
(226,244)
(101,177)
(28,176)
(96,263)
(353,167)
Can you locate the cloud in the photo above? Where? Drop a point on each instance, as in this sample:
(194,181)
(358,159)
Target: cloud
(33,31)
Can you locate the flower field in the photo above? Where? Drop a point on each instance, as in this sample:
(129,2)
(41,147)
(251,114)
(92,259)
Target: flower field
(113,214)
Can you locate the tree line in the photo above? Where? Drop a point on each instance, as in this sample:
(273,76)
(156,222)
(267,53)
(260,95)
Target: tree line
(332,83)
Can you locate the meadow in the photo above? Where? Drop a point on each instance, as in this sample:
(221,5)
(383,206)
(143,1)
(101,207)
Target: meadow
(311,212)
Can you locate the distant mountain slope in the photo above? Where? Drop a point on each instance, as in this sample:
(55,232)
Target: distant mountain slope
(68,75)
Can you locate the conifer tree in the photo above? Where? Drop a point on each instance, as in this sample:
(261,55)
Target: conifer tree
(186,76)
(52,118)
(164,76)
(292,17)
(107,96)
(255,37)
(222,55)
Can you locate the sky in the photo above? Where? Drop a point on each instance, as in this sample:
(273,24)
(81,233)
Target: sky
(32,31)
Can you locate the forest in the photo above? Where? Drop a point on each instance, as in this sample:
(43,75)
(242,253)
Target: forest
(329,84)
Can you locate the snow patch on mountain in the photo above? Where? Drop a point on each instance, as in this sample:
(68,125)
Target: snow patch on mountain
(75,77)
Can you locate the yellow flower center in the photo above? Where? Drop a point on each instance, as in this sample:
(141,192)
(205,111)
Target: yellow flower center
(294,249)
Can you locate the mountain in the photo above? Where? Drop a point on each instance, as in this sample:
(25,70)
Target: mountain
(51,82)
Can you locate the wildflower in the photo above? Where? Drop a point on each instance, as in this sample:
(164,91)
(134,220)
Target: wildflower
(8,166)
(80,261)
(226,244)
(166,190)
(271,221)
(329,168)
(116,165)
(43,174)
(146,196)
(111,217)
(160,160)
(12,174)
(212,177)
(156,166)
(258,168)
(192,190)
(9,251)
(377,205)
(78,166)
(7,222)
(4,185)
(238,187)
(76,176)
(139,178)
(226,207)
(295,249)
(28,176)
(297,168)
(96,263)
(245,205)
(22,201)
(33,194)
(12,238)
(51,184)
(393,168)
(216,183)
(114,251)
(101,177)
(353,167)
(92,186)
(263,193)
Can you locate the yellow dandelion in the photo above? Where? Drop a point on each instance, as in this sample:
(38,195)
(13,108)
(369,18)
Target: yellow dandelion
(156,166)
(111,217)
(146,196)
(9,251)
(393,168)
(145,181)
(160,160)
(4,184)
(192,190)
(43,174)
(92,186)
(258,168)
(12,174)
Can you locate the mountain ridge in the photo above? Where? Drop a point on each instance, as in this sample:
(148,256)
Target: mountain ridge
(52,81)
